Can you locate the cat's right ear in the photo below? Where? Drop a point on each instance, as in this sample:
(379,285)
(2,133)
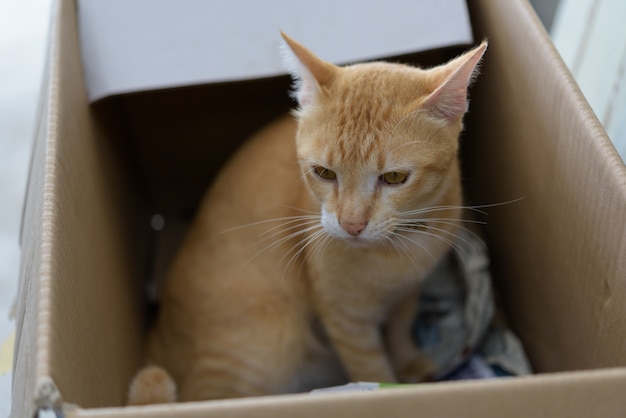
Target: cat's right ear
(308,71)
(449,99)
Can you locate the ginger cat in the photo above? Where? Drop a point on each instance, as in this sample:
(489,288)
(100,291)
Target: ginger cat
(303,266)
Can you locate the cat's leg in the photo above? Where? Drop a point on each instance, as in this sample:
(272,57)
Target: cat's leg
(410,365)
(241,355)
(358,341)
(207,382)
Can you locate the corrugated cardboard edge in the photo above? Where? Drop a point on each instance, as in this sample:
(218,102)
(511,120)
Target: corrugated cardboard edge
(600,391)
(33,389)
(78,197)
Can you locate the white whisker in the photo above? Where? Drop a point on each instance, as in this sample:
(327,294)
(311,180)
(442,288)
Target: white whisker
(266,221)
(422,246)
(401,247)
(452,242)
(282,240)
(284,227)
(310,212)
(440,237)
(473,208)
(453,222)
(302,244)
(303,175)
(320,245)
(432,209)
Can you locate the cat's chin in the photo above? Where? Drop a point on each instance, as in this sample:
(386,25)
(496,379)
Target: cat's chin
(360,241)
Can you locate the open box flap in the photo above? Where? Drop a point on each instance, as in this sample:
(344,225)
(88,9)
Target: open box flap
(155,44)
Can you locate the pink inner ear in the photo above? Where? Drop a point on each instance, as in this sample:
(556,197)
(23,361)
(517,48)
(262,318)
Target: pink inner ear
(449,100)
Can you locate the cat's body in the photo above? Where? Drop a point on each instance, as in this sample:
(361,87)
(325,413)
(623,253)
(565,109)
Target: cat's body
(303,266)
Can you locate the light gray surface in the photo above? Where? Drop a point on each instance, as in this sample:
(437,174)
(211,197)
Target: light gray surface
(23,36)
(125,49)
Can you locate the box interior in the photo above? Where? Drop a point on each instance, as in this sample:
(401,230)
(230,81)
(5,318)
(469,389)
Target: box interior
(166,147)
(557,253)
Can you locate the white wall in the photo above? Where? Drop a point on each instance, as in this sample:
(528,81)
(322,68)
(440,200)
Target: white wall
(591,37)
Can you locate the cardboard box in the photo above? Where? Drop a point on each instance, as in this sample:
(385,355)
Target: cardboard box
(99,172)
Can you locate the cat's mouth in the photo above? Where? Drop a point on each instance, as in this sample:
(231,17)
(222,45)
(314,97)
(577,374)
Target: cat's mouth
(359,241)
(369,239)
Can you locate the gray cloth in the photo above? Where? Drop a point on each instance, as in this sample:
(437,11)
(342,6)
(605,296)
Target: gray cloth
(455,325)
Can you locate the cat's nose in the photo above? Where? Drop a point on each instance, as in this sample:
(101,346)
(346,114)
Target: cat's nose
(353,228)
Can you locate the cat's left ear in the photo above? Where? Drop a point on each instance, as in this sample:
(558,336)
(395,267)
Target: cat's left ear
(449,99)
(309,72)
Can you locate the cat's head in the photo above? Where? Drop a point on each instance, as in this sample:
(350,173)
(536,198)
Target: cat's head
(377,142)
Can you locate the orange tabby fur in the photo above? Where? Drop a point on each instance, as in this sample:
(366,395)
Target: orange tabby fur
(303,266)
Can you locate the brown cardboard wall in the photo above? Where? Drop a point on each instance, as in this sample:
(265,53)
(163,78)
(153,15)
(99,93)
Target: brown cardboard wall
(559,252)
(84,244)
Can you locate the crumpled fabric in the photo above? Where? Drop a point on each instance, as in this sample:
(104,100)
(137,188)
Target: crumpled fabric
(455,325)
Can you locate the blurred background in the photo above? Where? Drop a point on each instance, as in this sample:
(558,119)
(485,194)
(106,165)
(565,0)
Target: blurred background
(23,37)
(589,34)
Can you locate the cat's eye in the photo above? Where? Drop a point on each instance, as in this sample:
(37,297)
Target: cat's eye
(324,173)
(394,177)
